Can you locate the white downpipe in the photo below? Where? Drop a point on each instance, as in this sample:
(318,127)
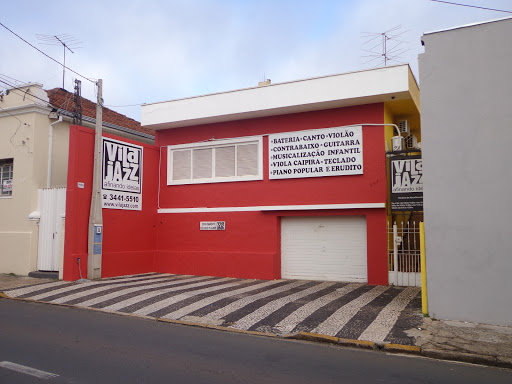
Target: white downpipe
(50,152)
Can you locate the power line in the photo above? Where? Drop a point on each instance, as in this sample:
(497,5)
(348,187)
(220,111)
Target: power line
(64,104)
(11,78)
(68,94)
(121,106)
(26,93)
(6,111)
(471,6)
(51,58)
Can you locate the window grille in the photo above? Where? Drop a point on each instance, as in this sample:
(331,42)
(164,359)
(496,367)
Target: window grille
(6,176)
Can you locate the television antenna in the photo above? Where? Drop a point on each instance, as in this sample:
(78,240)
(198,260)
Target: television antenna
(390,43)
(67,42)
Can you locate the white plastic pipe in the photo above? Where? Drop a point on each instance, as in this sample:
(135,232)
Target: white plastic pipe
(50,152)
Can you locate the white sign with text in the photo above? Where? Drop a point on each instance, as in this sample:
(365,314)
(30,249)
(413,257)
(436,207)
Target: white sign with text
(121,175)
(212,225)
(315,153)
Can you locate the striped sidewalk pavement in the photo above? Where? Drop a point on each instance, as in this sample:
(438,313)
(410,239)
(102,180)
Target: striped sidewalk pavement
(346,310)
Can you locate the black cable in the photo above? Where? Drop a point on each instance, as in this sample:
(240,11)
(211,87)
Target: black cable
(6,111)
(121,106)
(51,58)
(25,93)
(11,78)
(471,6)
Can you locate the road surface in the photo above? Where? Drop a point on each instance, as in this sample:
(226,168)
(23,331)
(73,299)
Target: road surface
(51,344)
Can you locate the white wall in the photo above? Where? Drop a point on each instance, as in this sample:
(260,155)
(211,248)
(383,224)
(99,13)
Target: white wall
(466,96)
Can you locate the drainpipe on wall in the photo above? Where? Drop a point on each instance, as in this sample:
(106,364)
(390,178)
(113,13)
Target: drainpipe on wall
(50,152)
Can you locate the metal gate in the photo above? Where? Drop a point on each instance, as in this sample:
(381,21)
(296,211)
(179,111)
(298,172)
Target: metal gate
(404,264)
(52,206)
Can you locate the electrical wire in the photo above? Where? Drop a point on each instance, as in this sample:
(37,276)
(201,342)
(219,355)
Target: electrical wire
(471,6)
(11,78)
(6,111)
(62,106)
(48,56)
(121,106)
(26,93)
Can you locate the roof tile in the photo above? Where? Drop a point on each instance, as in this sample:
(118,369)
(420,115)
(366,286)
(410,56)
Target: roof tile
(64,100)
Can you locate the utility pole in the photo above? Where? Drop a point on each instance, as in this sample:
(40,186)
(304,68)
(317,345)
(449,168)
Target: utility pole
(77,103)
(96,218)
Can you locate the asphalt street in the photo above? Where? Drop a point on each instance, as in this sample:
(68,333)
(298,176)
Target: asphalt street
(72,345)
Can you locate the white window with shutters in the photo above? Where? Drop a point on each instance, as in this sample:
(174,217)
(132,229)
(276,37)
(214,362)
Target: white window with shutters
(215,161)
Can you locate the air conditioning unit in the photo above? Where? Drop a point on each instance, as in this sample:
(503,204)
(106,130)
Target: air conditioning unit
(411,142)
(397,143)
(404,128)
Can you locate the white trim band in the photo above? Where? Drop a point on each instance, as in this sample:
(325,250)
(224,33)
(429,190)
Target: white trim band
(273,208)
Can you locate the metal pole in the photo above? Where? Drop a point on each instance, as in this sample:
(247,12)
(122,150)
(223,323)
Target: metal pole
(64,68)
(96,218)
(395,252)
(424,301)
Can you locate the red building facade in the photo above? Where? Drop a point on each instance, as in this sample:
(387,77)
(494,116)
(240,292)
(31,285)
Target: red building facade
(250,245)
(310,225)
(281,181)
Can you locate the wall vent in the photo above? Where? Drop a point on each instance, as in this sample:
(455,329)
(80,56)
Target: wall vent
(404,128)
(411,142)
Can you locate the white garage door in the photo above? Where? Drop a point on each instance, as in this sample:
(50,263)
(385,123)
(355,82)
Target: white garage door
(324,248)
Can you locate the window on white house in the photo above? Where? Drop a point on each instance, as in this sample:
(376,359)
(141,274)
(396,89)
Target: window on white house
(6,174)
(215,161)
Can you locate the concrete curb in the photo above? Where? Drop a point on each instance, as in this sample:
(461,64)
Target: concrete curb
(494,361)
(400,348)
(217,327)
(2,295)
(394,348)
(309,336)
(471,358)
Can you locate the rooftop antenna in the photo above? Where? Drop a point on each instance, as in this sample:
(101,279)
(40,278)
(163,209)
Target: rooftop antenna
(391,45)
(67,41)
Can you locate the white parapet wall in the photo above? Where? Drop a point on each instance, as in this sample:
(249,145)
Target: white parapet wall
(346,89)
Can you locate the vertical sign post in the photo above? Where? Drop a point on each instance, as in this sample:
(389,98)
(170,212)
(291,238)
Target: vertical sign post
(96,217)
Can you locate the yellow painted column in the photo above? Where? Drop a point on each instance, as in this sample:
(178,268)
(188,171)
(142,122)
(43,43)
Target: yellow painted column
(424,301)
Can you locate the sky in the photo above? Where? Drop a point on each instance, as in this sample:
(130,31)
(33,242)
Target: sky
(148,51)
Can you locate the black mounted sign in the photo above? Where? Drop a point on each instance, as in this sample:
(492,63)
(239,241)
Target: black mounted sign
(406,174)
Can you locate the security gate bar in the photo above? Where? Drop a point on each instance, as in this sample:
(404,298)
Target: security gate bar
(404,264)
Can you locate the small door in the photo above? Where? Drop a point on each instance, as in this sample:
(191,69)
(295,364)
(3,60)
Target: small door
(331,248)
(52,205)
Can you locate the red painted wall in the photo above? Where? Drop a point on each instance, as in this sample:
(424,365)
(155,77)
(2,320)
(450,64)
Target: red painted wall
(247,248)
(129,237)
(369,187)
(250,245)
